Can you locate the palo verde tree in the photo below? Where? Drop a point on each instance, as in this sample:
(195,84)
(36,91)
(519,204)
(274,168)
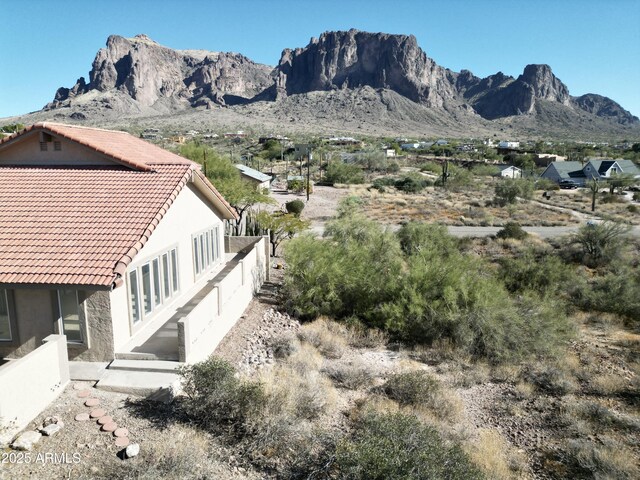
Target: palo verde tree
(241,194)
(281,226)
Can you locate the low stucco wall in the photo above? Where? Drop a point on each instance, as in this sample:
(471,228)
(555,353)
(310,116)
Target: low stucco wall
(219,305)
(32,382)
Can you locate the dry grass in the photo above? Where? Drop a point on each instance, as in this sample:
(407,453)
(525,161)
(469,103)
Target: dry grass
(471,207)
(492,454)
(611,460)
(327,336)
(352,374)
(608,384)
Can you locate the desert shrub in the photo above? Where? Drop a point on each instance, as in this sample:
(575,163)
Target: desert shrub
(351,374)
(432,167)
(359,336)
(412,388)
(216,399)
(412,183)
(325,335)
(601,461)
(600,242)
(393,167)
(633,208)
(611,198)
(614,292)
(636,196)
(508,190)
(397,446)
(381,183)
(297,186)
(284,345)
(490,453)
(426,239)
(426,296)
(512,230)
(485,170)
(550,378)
(295,207)
(338,172)
(546,184)
(539,271)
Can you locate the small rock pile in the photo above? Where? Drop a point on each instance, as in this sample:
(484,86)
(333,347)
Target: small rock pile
(258,351)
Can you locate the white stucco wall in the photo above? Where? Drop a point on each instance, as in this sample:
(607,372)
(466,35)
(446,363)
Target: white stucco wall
(30,383)
(27,152)
(187,215)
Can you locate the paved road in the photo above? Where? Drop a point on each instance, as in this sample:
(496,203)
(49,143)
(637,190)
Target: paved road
(543,232)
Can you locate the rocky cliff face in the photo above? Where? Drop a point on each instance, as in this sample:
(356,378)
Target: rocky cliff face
(148,72)
(137,76)
(353,59)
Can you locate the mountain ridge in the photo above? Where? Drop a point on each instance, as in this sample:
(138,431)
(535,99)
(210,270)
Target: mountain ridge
(137,77)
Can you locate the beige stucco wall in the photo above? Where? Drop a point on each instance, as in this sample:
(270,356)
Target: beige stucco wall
(27,152)
(205,325)
(34,320)
(188,214)
(30,383)
(97,308)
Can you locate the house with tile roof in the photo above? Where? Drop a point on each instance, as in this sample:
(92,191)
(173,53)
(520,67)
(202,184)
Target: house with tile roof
(118,245)
(600,169)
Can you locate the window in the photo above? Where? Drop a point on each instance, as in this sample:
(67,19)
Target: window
(57,146)
(71,315)
(145,272)
(43,146)
(174,270)
(5,325)
(157,281)
(157,294)
(206,250)
(134,296)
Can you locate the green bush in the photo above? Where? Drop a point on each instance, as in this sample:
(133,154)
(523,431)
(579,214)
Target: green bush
(432,167)
(295,207)
(431,292)
(338,172)
(636,196)
(398,446)
(508,190)
(427,239)
(216,399)
(546,184)
(512,230)
(485,170)
(381,183)
(539,271)
(411,388)
(633,208)
(297,186)
(411,183)
(600,242)
(393,167)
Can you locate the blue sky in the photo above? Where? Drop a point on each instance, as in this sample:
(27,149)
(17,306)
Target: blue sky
(593,46)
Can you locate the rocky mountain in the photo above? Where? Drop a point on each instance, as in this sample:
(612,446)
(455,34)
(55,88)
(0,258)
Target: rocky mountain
(149,73)
(340,77)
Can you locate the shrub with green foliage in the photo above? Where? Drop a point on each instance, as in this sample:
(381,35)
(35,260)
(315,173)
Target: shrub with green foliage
(411,388)
(412,183)
(339,172)
(430,291)
(546,184)
(381,183)
(216,399)
(512,230)
(538,271)
(297,186)
(295,207)
(485,170)
(399,447)
(600,241)
(508,190)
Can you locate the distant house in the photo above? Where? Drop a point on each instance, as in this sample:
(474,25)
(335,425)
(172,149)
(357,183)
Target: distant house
(600,169)
(509,145)
(545,159)
(509,171)
(261,180)
(389,152)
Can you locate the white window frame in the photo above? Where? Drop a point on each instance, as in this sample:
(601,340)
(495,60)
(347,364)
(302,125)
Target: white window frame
(158,299)
(82,320)
(205,250)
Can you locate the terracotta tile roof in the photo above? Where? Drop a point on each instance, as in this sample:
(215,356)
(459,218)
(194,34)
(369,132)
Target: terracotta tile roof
(122,147)
(84,225)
